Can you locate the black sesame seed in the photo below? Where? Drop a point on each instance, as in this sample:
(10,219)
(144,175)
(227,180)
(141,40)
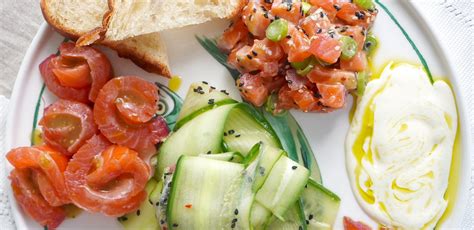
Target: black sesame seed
(300,228)
(225,134)
(208,152)
(205,83)
(231,131)
(138,212)
(310,217)
(151,202)
(232,158)
(269,1)
(234,220)
(254,9)
(212,87)
(265,14)
(238,135)
(241,84)
(162,222)
(157,203)
(321,14)
(337,7)
(294,167)
(254,53)
(236,212)
(175,225)
(249,56)
(288,36)
(232,225)
(307,221)
(360,15)
(319,31)
(210,102)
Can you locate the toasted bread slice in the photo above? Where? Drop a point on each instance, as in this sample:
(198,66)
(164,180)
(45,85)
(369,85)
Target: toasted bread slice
(130,18)
(75,18)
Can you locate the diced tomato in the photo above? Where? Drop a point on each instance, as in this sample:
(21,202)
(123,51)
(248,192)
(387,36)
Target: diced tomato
(289,10)
(296,44)
(351,14)
(333,96)
(316,23)
(256,18)
(350,224)
(262,56)
(326,75)
(328,6)
(125,113)
(32,202)
(67,125)
(326,48)
(236,33)
(356,64)
(106,178)
(252,89)
(49,165)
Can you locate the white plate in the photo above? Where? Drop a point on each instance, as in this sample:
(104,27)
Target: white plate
(326,132)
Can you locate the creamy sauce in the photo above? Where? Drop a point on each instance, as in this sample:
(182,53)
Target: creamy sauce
(399,147)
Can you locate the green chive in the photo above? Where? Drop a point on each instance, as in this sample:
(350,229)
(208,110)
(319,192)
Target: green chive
(277,30)
(370,44)
(349,47)
(305,7)
(361,83)
(364,4)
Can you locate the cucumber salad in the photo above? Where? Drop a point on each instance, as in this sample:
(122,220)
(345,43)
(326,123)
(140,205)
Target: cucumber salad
(221,168)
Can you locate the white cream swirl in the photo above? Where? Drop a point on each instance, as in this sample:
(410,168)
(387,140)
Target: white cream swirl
(399,147)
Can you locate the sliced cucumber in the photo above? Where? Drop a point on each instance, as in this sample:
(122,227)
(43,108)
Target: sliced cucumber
(320,206)
(200,98)
(145,216)
(198,193)
(283,186)
(242,132)
(294,219)
(201,135)
(260,216)
(268,157)
(228,156)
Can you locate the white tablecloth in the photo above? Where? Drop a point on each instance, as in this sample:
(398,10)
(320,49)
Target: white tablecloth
(20,19)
